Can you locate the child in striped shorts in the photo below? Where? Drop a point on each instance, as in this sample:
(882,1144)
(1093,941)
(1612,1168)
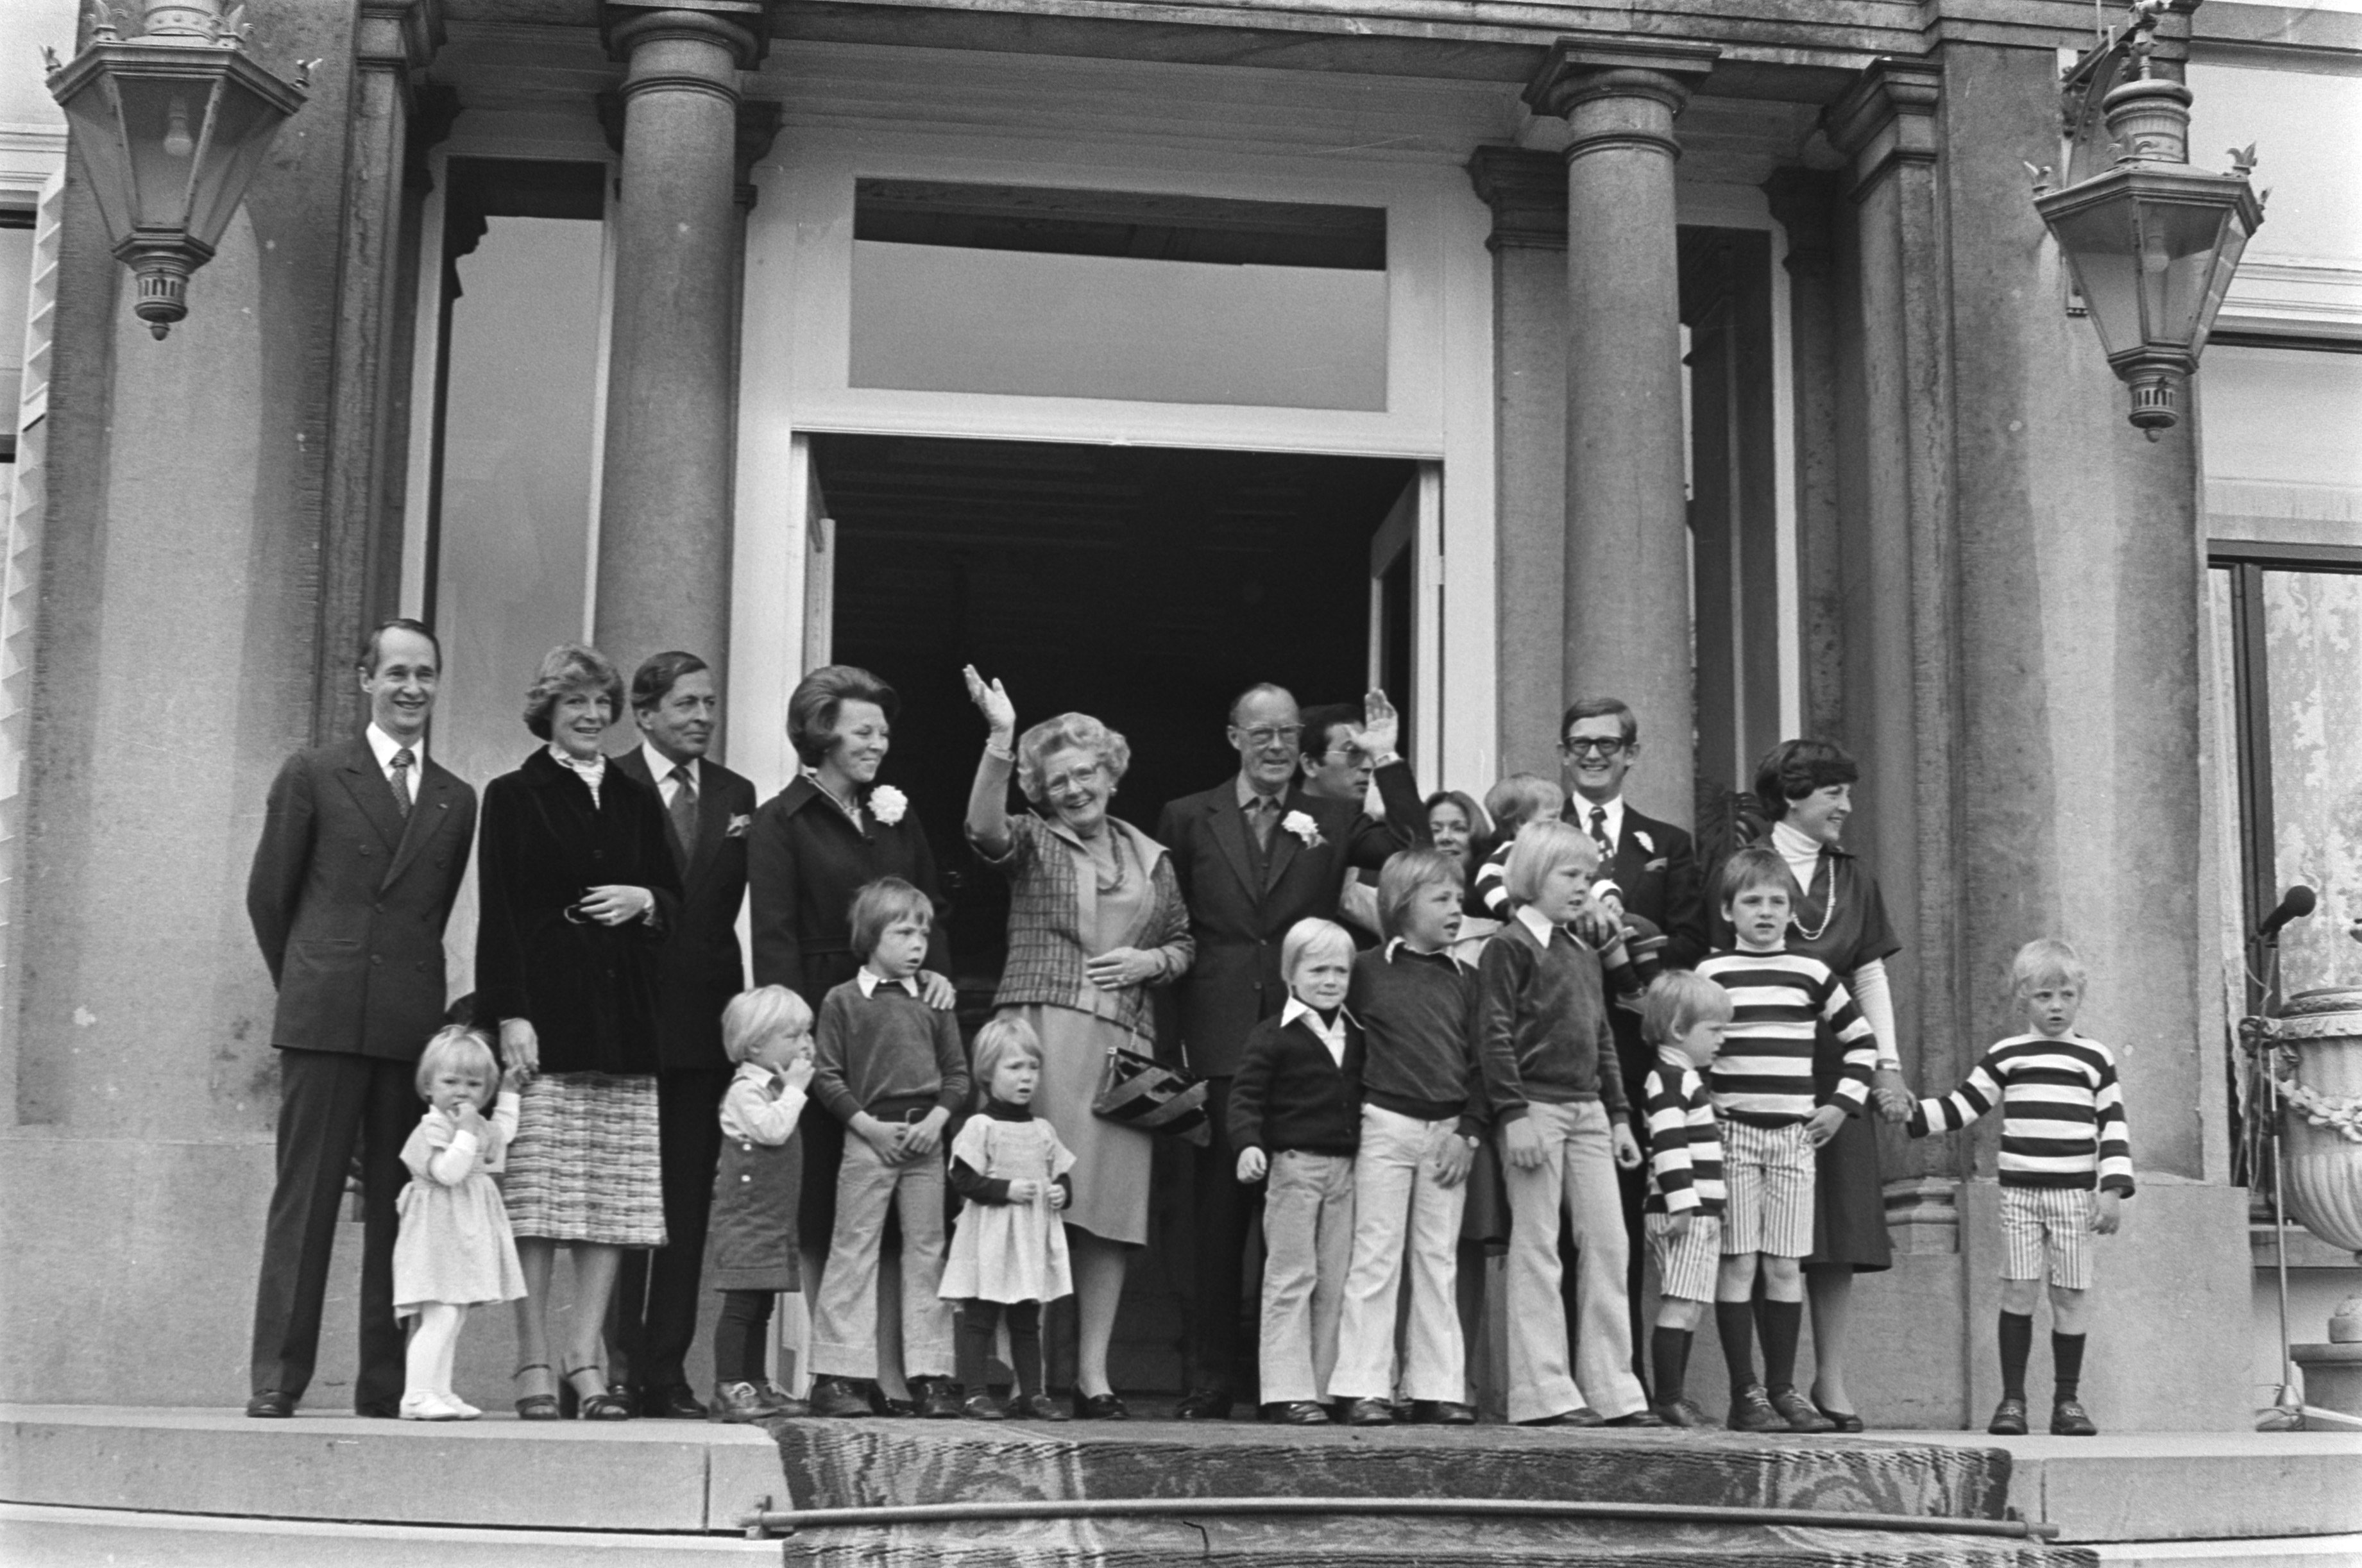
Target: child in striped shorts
(1772,1121)
(2066,1169)
(1684,1017)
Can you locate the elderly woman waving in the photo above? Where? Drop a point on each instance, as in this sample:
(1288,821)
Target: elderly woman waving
(1095,918)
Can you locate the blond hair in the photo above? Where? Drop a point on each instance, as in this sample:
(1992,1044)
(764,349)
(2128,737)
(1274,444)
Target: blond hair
(1312,938)
(754,1016)
(1541,847)
(2046,961)
(1003,1035)
(1521,798)
(1407,872)
(1679,1000)
(461,1047)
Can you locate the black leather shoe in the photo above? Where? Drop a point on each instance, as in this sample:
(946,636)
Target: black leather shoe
(1370,1413)
(1042,1407)
(1296,1413)
(836,1396)
(1092,1408)
(2008,1419)
(272,1405)
(1637,1419)
(939,1399)
(1801,1414)
(1444,1413)
(1682,1412)
(1842,1421)
(982,1407)
(1205,1405)
(1581,1416)
(671,1402)
(2070,1418)
(1750,1412)
(378,1411)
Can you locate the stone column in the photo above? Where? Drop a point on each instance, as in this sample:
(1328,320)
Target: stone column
(1527,192)
(666,482)
(360,540)
(1627,551)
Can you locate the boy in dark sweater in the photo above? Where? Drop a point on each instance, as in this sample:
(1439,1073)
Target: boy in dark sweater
(1422,1122)
(1295,1110)
(891,1069)
(1551,1081)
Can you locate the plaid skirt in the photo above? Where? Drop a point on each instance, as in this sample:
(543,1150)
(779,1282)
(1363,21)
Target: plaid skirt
(584,1166)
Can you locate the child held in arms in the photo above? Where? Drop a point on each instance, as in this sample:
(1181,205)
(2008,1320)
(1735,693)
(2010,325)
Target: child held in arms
(1295,1118)
(1511,803)
(889,1068)
(1682,1020)
(1422,1124)
(1772,1119)
(1009,1255)
(2066,1169)
(768,1032)
(1552,1084)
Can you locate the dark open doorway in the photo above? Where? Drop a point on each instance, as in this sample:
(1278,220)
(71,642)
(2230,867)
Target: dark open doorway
(1144,585)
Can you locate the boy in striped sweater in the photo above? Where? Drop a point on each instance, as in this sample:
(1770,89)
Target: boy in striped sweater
(2066,1169)
(1772,1121)
(1683,1019)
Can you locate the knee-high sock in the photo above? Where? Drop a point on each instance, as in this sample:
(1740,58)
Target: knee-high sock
(450,1352)
(2016,1344)
(2067,1359)
(1783,1325)
(1669,1356)
(977,1319)
(1026,1345)
(1735,1323)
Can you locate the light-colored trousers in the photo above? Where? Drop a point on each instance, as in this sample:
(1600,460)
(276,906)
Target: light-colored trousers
(1578,1173)
(845,1319)
(1402,1220)
(1307,1237)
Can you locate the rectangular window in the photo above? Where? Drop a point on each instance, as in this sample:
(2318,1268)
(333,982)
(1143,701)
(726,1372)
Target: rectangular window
(1121,295)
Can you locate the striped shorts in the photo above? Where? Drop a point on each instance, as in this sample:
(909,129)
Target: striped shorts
(1767,1175)
(1685,1267)
(2046,1223)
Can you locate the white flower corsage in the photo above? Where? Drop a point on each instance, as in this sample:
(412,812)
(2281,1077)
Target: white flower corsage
(888,803)
(1304,828)
(739,823)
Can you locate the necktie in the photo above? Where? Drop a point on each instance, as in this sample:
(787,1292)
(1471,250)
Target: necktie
(1259,818)
(683,812)
(1599,834)
(403,761)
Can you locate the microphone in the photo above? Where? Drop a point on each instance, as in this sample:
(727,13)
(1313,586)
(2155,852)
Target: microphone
(2295,905)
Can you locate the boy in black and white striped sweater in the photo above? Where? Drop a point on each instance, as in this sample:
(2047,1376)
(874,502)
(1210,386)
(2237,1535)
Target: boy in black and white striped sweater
(2066,1169)
(1683,1019)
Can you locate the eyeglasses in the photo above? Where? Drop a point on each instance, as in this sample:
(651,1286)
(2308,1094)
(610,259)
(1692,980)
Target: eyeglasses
(1576,745)
(1272,734)
(1076,779)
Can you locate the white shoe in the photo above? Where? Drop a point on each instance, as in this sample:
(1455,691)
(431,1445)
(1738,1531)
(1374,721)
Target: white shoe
(467,1412)
(430,1406)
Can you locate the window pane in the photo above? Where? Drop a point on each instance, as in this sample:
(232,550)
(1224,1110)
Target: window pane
(2313,632)
(2278,428)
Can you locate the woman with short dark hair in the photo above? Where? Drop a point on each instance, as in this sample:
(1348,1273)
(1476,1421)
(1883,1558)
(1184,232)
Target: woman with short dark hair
(815,844)
(1805,790)
(566,966)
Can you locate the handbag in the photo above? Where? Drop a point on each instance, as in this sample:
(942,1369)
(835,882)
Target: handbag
(1140,1092)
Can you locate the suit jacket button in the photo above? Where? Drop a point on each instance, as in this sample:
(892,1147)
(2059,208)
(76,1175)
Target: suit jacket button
(745,1176)
(377,958)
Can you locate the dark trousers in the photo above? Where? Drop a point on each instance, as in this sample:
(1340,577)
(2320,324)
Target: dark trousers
(653,1317)
(327,1102)
(1227,1214)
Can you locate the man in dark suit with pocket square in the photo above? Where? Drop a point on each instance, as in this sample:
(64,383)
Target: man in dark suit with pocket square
(1654,867)
(1254,855)
(364,842)
(708,810)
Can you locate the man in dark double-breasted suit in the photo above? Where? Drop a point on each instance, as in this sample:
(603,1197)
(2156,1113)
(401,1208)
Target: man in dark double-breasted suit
(363,846)
(1256,854)
(708,810)
(1654,867)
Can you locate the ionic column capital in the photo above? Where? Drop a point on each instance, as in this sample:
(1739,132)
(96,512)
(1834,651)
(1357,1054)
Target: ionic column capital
(1887,118)
(740,27)
(1615,92)
(1527,192)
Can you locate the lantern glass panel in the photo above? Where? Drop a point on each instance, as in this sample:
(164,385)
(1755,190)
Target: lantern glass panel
(2226,266)
(2100,244)
(243,126)
(2177,266)
(163,119)
(98,137)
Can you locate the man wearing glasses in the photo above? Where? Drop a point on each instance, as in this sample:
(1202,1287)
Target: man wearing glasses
(1654,869)
(1256,854)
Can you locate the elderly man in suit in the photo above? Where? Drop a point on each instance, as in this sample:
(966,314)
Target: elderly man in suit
(1256,854)
(708,810)
(1654,867)
(363,846)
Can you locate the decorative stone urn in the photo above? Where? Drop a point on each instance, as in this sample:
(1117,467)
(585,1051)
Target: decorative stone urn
(2315,1056)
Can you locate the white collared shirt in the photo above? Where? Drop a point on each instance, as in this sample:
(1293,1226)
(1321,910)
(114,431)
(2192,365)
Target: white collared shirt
(1579,813)
(661,769)
(1395,944)
(1532,920)
(383,747)
(1330,1035)
(869,980)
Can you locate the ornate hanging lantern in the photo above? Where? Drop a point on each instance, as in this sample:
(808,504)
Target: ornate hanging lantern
(172,126)
(2151,242)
